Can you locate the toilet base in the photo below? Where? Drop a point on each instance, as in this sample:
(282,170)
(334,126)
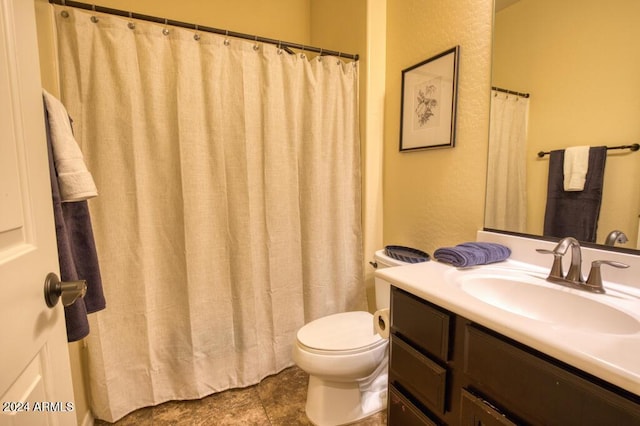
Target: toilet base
(339,403)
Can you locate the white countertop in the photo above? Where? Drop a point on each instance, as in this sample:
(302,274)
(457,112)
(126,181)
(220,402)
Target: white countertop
(614,358)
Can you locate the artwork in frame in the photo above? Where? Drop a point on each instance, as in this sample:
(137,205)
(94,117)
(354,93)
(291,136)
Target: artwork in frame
(428,109)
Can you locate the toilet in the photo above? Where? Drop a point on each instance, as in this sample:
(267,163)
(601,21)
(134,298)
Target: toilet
(346,361)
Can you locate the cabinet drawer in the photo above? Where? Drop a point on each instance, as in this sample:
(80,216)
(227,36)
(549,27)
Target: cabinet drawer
(420,376)
(538,390)
(420,323)
(403,413)
(475,411)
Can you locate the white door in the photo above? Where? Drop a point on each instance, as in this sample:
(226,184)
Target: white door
(35,378)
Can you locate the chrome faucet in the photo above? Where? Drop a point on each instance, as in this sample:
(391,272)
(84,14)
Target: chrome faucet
(574,277)
(615,237)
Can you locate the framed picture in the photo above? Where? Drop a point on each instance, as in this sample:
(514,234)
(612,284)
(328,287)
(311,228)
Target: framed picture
(428,109)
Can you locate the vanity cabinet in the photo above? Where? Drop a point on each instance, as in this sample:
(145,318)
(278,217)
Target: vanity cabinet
(445,369)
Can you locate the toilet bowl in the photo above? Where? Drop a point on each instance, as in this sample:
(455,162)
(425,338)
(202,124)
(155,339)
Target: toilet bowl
(346,361)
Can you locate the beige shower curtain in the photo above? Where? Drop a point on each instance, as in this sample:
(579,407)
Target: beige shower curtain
(229,206)
(506,206)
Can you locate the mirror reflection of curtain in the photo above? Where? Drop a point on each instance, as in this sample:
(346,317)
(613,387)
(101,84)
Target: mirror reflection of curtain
(229,207)
(506,183)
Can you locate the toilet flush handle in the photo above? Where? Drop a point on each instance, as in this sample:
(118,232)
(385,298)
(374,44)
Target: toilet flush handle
(374,264)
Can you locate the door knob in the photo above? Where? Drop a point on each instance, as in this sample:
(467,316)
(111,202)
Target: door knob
(70,291)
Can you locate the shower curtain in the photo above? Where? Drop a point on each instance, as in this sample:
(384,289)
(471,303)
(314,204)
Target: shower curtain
(229,207)
(506,204)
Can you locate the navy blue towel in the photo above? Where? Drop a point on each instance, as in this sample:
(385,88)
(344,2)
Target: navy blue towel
(574,213)
(469,254)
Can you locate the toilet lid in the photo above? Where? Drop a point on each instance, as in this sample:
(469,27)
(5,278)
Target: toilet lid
(340,332)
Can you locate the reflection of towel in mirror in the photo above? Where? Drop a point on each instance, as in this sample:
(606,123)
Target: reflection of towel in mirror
(575,167)
(469,254)
(574,214)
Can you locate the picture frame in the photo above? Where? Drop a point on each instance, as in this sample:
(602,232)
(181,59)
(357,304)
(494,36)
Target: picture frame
(429,99)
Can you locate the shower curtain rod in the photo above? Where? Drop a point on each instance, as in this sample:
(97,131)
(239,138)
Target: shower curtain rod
(511,92)
(632,147)
(286,45)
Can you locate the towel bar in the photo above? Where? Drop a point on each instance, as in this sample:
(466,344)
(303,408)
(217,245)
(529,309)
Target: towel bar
(632,147)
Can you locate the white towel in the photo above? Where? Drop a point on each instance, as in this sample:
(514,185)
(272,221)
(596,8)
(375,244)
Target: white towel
(75,181)
(576,165)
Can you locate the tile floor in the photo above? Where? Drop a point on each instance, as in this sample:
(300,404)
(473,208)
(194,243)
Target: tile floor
(276,401)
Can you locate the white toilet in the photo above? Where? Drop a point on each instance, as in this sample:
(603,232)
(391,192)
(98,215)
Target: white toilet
(346,361)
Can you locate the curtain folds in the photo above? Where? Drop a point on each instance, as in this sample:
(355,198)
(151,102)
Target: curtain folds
(506,206)
(229,209)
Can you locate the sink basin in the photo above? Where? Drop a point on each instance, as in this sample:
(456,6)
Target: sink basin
(522,296)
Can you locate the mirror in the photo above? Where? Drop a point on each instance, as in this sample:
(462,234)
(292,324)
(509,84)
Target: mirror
(580,62)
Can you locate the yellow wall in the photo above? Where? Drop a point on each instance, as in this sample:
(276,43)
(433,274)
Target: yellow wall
(435,198)
(580,62)
(278,19)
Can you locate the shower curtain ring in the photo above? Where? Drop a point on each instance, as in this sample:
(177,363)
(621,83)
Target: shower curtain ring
(94,18)
(165,30)
(131,25)
(279,47)
(320,55)
(196,36)
(256,46)
(338,62)
(226,40)
(302,55)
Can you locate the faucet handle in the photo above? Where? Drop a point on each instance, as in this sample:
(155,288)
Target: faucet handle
(556,268)
(594,281)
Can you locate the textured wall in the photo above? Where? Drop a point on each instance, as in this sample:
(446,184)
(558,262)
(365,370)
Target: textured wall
(435,198)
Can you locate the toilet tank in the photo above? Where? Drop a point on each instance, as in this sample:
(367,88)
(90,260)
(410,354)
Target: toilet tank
(382,287)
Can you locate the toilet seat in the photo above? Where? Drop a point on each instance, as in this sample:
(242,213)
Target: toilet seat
(340,334)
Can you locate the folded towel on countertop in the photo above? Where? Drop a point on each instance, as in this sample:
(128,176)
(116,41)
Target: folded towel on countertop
(469,254)
(575,167)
